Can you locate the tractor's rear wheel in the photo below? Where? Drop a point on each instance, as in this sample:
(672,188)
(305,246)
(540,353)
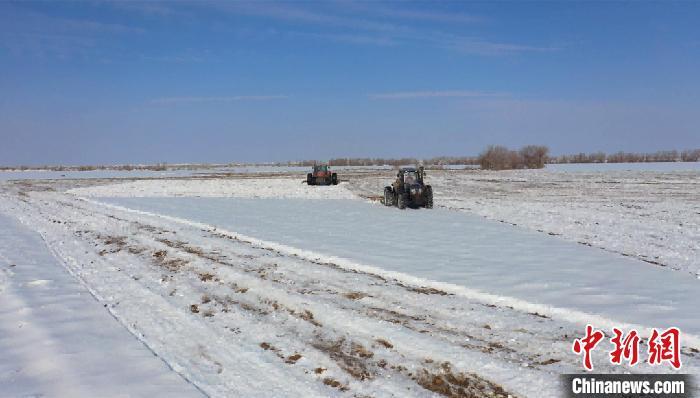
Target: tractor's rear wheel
(401,201)
(428,197)
(388,196)
(334,179)
(309,179)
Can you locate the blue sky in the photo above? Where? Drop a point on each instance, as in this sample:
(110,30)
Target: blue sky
(118,82)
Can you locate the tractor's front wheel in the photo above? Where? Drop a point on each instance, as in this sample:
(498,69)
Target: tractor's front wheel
(428,197)
(334,179)
(401,201)
(388,196)
(309,179)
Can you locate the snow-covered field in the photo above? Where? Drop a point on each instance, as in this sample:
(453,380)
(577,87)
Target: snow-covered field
(605,167)
(53,332)
(652,216)
(280,188)
(471,256)
(264,287)
(7,175)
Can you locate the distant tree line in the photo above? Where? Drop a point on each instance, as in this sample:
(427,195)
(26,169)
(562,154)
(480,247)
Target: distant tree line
(122,167)
(495,157)
(436,161)
(691,155)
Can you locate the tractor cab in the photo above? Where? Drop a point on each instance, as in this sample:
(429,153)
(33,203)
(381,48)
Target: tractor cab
(410,177)
(320,170)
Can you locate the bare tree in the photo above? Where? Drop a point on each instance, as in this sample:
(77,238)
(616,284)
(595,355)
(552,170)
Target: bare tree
(497,157)
(690,155)
(534,156)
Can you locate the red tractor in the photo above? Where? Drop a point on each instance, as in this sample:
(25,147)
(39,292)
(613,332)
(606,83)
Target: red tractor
(322,175)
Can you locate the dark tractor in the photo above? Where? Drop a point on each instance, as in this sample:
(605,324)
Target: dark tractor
(322,175)
(409,190)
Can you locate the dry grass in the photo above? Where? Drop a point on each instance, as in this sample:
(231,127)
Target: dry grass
(350,356)
(428,290)
(451,384)
(266,346)
(355,295)
(331,382)
(292,359)
(385,343)
(205,276)
(160,257)
(306,315)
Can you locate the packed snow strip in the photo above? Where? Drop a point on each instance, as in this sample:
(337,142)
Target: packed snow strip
(53,333)
(519,269)
(235,188)
(653,216)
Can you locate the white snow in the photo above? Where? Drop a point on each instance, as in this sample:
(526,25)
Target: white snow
(258,295)
(524,269)
(262,170)
(652,216)
(53,333)
(235,188)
